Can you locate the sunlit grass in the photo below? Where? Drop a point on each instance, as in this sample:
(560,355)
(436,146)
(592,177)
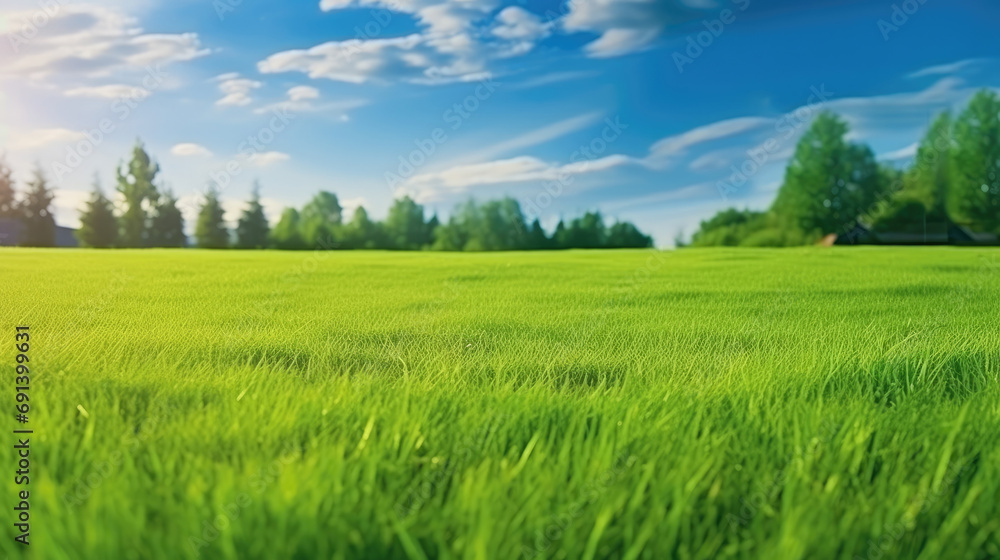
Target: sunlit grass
(697,404)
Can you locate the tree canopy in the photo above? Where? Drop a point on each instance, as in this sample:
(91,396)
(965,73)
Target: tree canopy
(832,185)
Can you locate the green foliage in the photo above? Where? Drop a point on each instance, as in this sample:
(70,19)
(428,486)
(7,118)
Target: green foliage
(908,216)
(929,178)
(830,185)
(725,404)
(499,225)
(362,233)
(8,195)
(98,225)
(136,183)
(829,182)
(320,221)
(168,223)
(537,238)
(622,235)
(252,231)
(585,232)
(286,234)
(405,227)
(151,220)
(496,225)
(974,198)
(36,213)
(729,228)
(210,230)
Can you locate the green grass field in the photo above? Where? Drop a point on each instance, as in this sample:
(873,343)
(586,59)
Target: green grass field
(777,404)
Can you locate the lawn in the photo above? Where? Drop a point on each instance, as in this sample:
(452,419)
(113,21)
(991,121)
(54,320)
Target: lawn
(802,403)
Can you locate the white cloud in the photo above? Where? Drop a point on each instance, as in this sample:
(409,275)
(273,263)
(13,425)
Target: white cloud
(302,93)
(944,69)
(691,192)
(711,160)
(412,58)
(337,108)
(301,99)
(458,178)
(536,136)
(429,186)
(188,149)
(456,41)
(626,26)
(522,28)
(263,159)
(552,78)
(618,42)
(109,91)
(86,40)
(663,151)
(45,136)
(236,90)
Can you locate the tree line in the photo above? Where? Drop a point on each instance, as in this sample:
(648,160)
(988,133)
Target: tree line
(149,217)
(832,186)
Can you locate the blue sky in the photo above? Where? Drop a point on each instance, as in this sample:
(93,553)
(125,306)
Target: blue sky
(661,113)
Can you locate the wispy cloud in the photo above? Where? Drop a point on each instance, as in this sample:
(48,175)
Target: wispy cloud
(536,137)
(663,152)
(302,99)
(43,137)
(945,69)
(430,186)
(264,159)
(109,91)
(188,149)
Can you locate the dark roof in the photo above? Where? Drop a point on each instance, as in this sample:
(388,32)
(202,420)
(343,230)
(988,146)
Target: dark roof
(11,230)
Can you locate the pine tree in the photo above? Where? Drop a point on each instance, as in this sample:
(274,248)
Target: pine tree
(39,225)
(252,230)
(974,196)
(537,239)
(210,231)
(168,223)
(136,184)
(98,226)
(8,195)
